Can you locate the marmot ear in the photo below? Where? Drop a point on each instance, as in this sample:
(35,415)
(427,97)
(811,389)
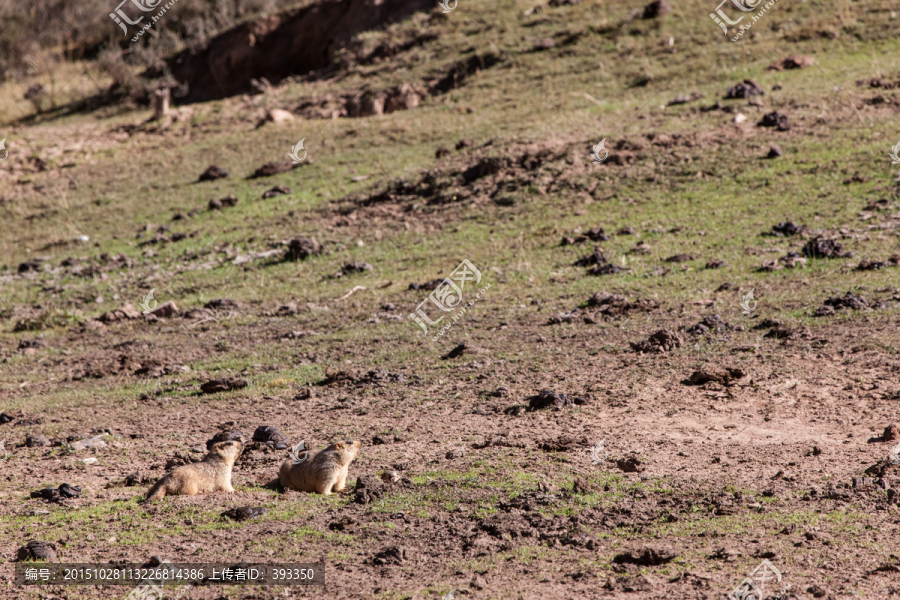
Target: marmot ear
(339,446)
(218,445)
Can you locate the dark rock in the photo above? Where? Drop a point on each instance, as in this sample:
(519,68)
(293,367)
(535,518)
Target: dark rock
(787,228)
(226,384)
(69,491)
(891,433)
(212,173)
(548,399)
(35,550)
(456,453)
(823,248)
(5,418)
(716,263)
(745,89)
(848,300)
(596,234)
(49,494)
(278,190)
(679,258)
(441,152)
(244,512)
(271,437)
(774,152)
(301,248)
(777,120)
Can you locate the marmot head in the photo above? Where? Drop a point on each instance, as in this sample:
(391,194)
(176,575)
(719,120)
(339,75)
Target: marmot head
(228,451)
(347,449)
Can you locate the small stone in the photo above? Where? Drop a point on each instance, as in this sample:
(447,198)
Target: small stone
(891,433)
(774,152)
(93,442)
(478,582)
(35,440)
(456,453)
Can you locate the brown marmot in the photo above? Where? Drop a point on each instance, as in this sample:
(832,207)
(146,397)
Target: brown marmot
(212,474)
(325,473)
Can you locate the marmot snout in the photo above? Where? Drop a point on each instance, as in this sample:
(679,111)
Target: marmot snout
(212,474)
(325,473)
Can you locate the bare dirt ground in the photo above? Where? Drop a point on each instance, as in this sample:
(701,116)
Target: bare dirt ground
(617,416)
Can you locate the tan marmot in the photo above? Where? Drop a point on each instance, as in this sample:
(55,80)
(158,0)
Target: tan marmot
(325,473)
(212,474)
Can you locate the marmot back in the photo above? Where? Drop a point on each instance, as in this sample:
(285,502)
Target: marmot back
(325,473)
(213,474)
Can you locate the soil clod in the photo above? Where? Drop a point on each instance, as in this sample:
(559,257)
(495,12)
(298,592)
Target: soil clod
(226,384)
(244,513)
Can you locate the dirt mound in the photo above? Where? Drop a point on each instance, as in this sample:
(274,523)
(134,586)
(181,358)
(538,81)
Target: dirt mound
(274,47)
(661,341)
(616,305)
(726,376)
(824,248)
